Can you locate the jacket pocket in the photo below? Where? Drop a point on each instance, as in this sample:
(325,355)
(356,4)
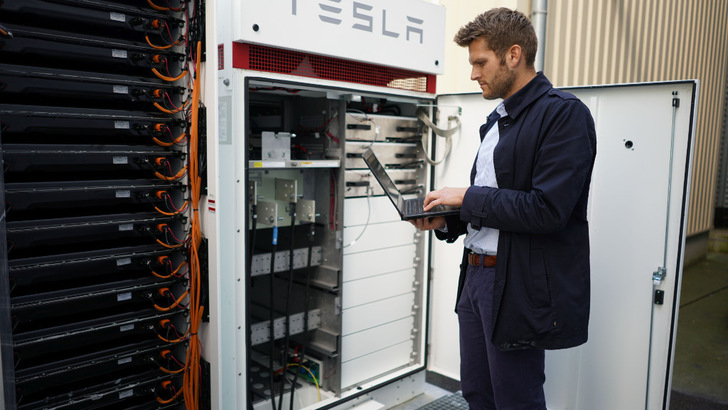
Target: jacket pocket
(538,284)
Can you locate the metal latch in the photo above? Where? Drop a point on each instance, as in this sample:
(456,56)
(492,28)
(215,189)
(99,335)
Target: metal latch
(658,275)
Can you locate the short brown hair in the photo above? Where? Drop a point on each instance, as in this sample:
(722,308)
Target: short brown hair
(501,28)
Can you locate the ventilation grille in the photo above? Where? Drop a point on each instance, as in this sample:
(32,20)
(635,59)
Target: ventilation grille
(273,60)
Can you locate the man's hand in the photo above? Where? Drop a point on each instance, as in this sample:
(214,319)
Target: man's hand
(445,196)
(428,224)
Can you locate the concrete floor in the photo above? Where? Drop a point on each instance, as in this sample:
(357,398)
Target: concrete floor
(701,352)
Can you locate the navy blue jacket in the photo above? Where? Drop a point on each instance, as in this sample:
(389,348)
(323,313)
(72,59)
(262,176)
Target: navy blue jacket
(543,165)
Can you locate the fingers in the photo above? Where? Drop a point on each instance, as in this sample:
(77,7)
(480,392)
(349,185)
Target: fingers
(431,199)
(428,224)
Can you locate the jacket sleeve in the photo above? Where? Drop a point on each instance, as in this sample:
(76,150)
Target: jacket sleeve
(561,168)
(455,228)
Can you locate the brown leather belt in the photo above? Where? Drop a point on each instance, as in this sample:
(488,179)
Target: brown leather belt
(474,259)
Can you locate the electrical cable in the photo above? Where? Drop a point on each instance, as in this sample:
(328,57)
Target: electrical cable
(158,8)
(179,175)
(173,273)
(271,314)
(4,32)
(366,119)
(192,376)
(370,191)
(292,212)
(176,110)
(305,315)
(168,78)
(447,133)
(315,380)
(173,305)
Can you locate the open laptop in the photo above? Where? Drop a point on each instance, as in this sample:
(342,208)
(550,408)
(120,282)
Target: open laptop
(407,208)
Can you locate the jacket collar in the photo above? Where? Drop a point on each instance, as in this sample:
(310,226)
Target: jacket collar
(526,95)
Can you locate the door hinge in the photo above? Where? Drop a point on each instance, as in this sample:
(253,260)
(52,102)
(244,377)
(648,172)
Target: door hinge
(658,275)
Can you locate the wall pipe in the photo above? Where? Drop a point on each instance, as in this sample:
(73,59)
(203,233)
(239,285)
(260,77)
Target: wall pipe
(538,18)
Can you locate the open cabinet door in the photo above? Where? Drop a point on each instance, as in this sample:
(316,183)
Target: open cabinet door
(637,212)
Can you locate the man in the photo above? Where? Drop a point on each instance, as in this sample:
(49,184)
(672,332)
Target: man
(524,280)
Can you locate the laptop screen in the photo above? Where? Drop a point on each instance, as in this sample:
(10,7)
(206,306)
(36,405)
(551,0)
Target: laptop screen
(381,175)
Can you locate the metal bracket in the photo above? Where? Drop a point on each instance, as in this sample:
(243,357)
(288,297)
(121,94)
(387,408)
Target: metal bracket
(659,275)
(286,190)
(306,210)
(253,192)
(268,213)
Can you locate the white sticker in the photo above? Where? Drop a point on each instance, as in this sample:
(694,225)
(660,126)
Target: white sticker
(126,328)
(123,296)
(123,261)
(120,160)
(123,193)
(116,53)
(121,125)
(126,393)
(121,89)
(126,227)
(117,16)
(124,360)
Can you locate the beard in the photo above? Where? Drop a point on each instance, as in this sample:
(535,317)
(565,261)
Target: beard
(501,84)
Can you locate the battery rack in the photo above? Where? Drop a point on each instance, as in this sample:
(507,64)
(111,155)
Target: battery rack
(101,287)
(335,278)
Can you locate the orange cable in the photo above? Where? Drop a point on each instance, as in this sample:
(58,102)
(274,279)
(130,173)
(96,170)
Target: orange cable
(171,399)
(169,144)
(181,338)
(191,380)
(172,371)
(184,206)
(168,246)
(174,177)
(181,265)
(167,111)
(169,79)
(173,305)
(167,47)
(158,8)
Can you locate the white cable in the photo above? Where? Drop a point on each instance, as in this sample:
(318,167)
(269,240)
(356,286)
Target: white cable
(370,191)
(447,133)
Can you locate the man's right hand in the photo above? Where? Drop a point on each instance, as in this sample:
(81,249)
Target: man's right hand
(445,196)
(429,223)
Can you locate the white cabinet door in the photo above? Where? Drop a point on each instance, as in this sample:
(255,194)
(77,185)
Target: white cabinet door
(637,213)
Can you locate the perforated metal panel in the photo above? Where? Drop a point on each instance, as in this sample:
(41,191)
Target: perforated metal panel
(274,60)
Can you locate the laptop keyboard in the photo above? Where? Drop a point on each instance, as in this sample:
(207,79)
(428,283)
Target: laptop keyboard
(415,205)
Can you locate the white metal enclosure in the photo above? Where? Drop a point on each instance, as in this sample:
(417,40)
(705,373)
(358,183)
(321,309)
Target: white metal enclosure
(637,213)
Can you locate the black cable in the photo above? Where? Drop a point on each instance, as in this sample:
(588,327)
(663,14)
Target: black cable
(272,318)
(305,309)
(292,210)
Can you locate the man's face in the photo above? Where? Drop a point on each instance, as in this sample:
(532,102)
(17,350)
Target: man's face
(495,79)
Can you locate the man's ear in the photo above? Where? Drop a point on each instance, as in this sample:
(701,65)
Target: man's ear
(514,55)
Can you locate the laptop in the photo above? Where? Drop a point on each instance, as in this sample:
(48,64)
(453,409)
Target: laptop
(407,208)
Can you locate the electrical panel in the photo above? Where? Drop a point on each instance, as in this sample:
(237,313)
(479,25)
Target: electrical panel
(100,289)
(336,281)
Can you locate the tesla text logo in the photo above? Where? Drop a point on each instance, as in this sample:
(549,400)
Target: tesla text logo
(365,17)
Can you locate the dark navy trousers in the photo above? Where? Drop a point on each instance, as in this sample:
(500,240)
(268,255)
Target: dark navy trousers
(491,378)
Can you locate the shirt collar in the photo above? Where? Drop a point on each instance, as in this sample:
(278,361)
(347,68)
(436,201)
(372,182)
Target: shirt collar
(526,95)
(501,110)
